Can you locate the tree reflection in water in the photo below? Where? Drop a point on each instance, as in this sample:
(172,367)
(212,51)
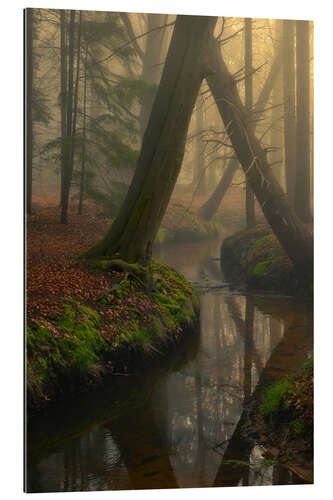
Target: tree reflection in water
(190,426)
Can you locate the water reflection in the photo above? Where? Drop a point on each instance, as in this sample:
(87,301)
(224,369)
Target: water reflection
(190,427)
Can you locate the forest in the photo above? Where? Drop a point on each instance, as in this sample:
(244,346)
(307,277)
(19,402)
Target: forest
(169,251)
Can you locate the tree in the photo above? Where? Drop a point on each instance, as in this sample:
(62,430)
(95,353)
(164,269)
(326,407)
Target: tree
(292,235)
(302,193)
(289,107)
(210,207)
(28,110)
(249,197)
(132,234)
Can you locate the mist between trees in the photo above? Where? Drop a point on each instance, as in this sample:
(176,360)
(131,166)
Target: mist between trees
(125,109)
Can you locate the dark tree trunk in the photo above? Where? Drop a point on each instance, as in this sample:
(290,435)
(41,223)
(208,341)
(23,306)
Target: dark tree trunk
(291,233)
(289,107)
(302,192)
(276,132)
(67,174)
(84,126)
(28,105)
(249,197)
(63,97)
(210,207)
(134,230)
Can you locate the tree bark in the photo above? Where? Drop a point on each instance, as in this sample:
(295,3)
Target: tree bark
(249,197)
(67,174)
(63,97)
(302,192)
(210,207)
(28,105)
(133,232)
(294,238)
(289,107)
(84,126)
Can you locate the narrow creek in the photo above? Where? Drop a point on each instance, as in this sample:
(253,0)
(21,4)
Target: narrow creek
(178,426)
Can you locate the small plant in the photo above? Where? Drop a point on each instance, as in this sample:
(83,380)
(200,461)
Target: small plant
(273,398)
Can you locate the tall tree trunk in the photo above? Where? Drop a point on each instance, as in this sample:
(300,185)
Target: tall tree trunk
(291,233)
(69,123)
(63,97)
(210,207)
(276,132)
(302,193)
(134,230)
(83,164)
(28,105)
(249,197)
(289,107)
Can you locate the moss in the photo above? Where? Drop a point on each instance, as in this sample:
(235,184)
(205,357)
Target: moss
(273,398)
(260,268)
(255,257)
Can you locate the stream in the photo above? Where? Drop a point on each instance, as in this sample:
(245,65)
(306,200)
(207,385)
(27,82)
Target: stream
(179,425)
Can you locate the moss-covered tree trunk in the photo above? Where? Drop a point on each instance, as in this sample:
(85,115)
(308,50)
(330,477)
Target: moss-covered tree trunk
(294,238)
(133,232)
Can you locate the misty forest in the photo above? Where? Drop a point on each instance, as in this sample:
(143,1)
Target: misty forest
(169,251)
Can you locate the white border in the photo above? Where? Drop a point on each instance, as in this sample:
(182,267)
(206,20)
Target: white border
(12,240)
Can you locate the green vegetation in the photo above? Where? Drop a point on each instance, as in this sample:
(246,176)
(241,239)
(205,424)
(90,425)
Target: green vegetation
(289,402)
(273,399)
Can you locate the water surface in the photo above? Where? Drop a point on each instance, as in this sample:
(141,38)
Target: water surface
(179,426)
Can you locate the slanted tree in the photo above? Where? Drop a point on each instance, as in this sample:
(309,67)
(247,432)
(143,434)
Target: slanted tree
(210,207)
(293,236)
(132,234)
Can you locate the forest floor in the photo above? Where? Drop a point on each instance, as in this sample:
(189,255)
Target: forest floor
(64,295)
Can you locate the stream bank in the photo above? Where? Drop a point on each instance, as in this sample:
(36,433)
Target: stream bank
(254,257)
(126,328)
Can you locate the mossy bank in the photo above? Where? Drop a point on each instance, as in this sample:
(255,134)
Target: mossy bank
(255,257)
(127,328)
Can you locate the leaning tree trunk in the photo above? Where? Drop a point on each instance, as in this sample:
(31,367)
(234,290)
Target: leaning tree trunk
(249,197)
(210,207)
(294,238)
(133,232)
(302,192)
(28,105)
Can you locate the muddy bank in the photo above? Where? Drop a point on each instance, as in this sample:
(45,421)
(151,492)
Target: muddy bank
(126,328)
(255,258)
